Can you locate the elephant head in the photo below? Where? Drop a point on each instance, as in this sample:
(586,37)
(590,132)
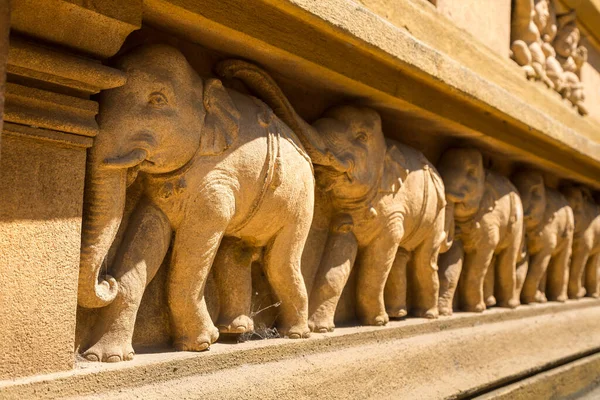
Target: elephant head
(464,180)
(156,123)
(532,190)
(354,136)
(346,144)
(582,203)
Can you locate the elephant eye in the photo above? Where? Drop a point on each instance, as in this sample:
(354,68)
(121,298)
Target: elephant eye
(362,137)
(157,99)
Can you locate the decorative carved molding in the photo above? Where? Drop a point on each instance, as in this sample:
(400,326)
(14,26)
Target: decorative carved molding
(97,28)
(81,75)
(546,45)
(42,109)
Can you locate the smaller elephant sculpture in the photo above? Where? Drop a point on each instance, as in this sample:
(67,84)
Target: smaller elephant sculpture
(585,260)
(549,229)
(386,207)
(488,238)
(205,163)
(388,212)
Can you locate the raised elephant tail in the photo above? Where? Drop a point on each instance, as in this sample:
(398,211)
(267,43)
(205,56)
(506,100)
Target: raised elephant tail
(264,87)
(443,206)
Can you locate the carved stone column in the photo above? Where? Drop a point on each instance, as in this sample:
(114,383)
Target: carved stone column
(49,123)
(4,29)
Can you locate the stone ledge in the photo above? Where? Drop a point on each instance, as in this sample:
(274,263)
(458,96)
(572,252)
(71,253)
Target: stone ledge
(567,381)
(365,361)
(472,93)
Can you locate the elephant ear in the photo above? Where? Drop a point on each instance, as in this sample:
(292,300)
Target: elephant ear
(394,171)
(222,121)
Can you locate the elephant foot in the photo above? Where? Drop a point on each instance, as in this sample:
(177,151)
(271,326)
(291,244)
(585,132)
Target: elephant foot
(577,293)
(594,295)
(321,324)
(240,324)
(540,297)
(200,342)
(380,319)
(445,311)
(432,313)
(490,301)
(512,303)
(109,351)
(397,314)
(562,298)
(478,308)
(299,331)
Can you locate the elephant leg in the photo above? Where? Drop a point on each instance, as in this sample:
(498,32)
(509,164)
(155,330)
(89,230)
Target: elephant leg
(591,276)
(337,262)
(450,266)
(194,250)
(540,295)
(282,266)
(424,280)
(142,251)
(474,270)
(558,275)
(488,284)
(375,264)
(233,276)
(580,258)
(521,273)
(395,287)
(537,268)
(506,277)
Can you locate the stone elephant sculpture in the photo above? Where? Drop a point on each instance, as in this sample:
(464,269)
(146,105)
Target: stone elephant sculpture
(206,163)
(585,260)
(387,204)
(488,239)
(549,234)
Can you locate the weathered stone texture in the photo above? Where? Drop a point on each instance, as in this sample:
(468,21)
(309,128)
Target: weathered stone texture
(590,76)
(40,228)
(4,42)
(488,21)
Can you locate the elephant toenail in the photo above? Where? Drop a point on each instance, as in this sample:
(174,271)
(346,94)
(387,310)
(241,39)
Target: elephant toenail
(294,336)
(92,357)
(113,358)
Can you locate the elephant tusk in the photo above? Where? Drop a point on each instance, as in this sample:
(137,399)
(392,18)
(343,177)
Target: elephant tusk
(133,158)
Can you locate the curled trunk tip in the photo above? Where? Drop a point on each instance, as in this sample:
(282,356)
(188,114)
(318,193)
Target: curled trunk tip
(101,295)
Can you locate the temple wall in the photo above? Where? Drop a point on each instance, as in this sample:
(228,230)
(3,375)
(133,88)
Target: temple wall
(415,174)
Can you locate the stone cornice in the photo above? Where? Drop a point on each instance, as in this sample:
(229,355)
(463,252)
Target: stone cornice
(435,80)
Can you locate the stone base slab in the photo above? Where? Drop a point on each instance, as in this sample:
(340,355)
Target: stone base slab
(463,355)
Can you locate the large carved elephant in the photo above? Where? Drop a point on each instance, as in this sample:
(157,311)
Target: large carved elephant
(549,233)
(586,243)
(488,239)
(206,162)
(387,204)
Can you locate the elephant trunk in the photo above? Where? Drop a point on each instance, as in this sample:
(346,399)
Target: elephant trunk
(103,211)
(263,86)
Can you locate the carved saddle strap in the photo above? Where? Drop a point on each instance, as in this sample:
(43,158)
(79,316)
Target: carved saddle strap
(271,172)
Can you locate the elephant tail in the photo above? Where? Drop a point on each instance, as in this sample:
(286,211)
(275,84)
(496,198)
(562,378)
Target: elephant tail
(262,85)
